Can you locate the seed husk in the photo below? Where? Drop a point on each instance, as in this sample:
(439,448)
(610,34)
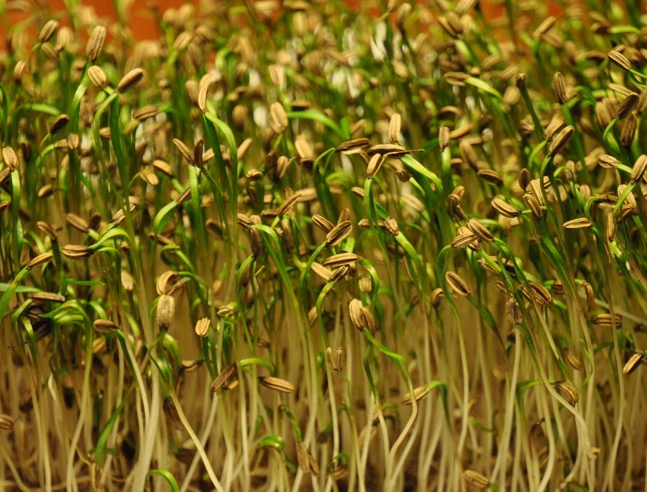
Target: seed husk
(573,360)
(338,233)
(632,364)
(39,260)
(202,327)
(98,77)
(559,88)
(289,202)
(77,222)
(278,118)
(353,146)
(184,149)
(513,311)
(165,311)
(277,384)
(475,478)
(619,59)
(47,229)
(48,297)
(418,394)
(6,422)
(76,251)
(104,326)
(322,223)
(560,140)
(130,80)
(395,125)
(541,294)
(341,259)
(167,282)
(95,43)
(627,105)
(384,149)
(568,390)
(504,208)
(374,165)
(10,158)
(479,230)
(224,379)
(579,223)
(60,122)
(639,168)
(458,285)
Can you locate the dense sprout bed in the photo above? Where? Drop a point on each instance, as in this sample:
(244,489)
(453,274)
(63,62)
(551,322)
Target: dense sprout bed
(290,246)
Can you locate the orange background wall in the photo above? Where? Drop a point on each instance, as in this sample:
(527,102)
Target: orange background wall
(143,24)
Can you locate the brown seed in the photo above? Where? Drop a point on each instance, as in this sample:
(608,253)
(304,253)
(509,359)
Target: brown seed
(541,294)
(130,80)
(289,202)
(165,311)
(479,230)
(607,161)
(476,479)
(374,165)
(395,125)
(619,59)
(544,27)
(524,179)
(277,384)
(255,242)
(39,260)
(632,364)
(606,320)
(627,105)
(6,422)
(184,150)
(76,251)
(77,222)
(47,229)
(579,223)
(60,122)
(48,30)
(321,271)
(559,88)
(338,233)
(568,390)
(224,379)
(98,77)
(356,317)
(145,112)
(341,259)
(638,171)
(104,326)
(504,208)
(573,360)
(458,285)
(353,146)
(10,158)
(322,223)
(491,176)
(533,205)
(464,240)
(560,140)
(202,327)
(278,118)
(628,129)
(95,43)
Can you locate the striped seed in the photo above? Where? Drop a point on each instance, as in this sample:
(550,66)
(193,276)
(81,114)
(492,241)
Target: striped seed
(289,202)
(353,146)
(628,128)
(47,31)
(95,43)
(568,390)
(464,240)
(632,364)
(638,171)
(504,208)
(491,176)
(184,150)
(458,285)
(479,230)
(76,251)
(619,59)
(476,479)
(202,327)
(341,259)
(559,88)
(322,223)
(165,311)
(338,233)
(278,118)
(277,384)
(627,105)
(541,294)
(10,158)
(418,394)
(166,282)
(104,326)
(533,204)
(39,260)
(60,122)
(6,422)
(573,360)
(513,312)
(145,112)
(321,271)
(127,281)
(374,165)
(224,379)
(47,297)
(77,222)
(355,310)
(560,140)
(606,320)
(98,77)
(130,80)
(47,229)
(395,125)
(579,223)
